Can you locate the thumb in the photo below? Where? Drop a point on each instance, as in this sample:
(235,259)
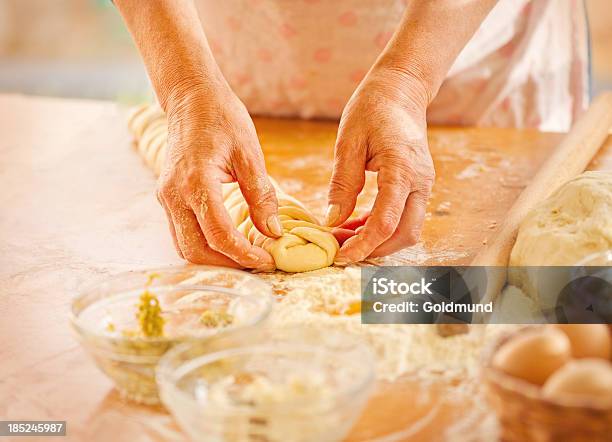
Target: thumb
(348,179)
(260,196)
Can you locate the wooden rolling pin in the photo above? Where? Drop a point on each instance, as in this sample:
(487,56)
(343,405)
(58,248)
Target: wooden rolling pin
(569,159)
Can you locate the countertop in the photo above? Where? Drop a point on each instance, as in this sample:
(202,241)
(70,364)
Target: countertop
(78,204)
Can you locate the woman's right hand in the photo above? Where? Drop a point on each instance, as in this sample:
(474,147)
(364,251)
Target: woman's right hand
(212,140)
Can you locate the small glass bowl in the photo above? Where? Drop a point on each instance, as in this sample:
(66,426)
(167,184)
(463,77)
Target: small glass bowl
(296,384)
(104,318)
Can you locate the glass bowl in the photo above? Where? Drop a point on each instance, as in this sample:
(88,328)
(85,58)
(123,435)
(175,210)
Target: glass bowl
(296,384)
(197,303)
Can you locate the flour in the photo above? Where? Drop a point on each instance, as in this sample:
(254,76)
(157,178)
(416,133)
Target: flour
(419,255)
(471,171)
(329,299)
(513,306)
(259,391)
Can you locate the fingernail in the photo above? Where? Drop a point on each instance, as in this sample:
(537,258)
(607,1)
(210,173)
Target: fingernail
(332,214)
(341,261)
(260,262)
(265,269)
(274,225)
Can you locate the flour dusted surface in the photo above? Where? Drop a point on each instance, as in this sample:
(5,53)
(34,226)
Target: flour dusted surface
(329,299)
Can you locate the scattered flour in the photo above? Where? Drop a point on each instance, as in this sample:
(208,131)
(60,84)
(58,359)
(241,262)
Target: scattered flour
(330,299)
(419,255)
(513,306)
(472,171)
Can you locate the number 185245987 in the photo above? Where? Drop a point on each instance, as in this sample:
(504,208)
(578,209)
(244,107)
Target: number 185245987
(31,428)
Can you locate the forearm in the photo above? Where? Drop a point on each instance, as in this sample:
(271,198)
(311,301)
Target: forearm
(170,38)
(429,38)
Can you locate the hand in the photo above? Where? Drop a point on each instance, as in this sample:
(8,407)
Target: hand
(382,129)
(212,140)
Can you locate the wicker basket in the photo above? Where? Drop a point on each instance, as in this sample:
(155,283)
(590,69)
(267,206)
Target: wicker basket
(524,415)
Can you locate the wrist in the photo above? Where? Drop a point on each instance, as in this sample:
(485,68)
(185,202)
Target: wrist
(196,95)
(402,86)
(184,81)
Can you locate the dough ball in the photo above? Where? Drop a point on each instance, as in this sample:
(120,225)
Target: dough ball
(574,222)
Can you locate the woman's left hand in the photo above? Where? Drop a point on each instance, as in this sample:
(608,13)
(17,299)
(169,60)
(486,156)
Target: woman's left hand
(382,129)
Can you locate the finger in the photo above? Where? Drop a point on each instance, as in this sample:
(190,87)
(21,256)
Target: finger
(171,226)
(349,228)
(191,240)
(409,229)
(221,235)
(354,223)
(257,190)
(342,234)
(346,183)
(393,190)
(260,196)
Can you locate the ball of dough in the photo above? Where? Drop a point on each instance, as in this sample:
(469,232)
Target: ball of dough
(304,246)
(574,222)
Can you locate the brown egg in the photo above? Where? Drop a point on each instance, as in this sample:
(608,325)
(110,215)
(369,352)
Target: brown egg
(588,340)
(533,355)
(580,380)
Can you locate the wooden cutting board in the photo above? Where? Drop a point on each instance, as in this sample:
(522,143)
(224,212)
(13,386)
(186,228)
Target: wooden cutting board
(78,205)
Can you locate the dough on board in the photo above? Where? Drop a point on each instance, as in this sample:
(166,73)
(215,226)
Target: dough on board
(572,224)
(304,246)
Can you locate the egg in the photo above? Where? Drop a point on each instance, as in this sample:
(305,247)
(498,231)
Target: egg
(588,340)
(533,355)
(581,379)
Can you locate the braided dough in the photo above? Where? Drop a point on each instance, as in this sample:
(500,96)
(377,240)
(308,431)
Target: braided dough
(304,246)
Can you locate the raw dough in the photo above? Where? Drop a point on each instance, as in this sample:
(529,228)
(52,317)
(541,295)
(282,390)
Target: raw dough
(305,244)
(573,223)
